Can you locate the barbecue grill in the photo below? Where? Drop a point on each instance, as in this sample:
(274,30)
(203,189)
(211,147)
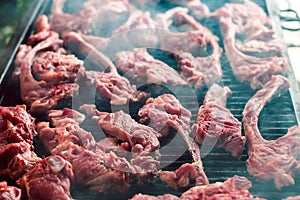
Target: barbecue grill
(280,114)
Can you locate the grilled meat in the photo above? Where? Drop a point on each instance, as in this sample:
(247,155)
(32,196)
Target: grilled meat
(9,192)
(216,125)
(195,47)
(253,50)
(49,179)
(236,187)
(141,68)
(274,159)
(165,112)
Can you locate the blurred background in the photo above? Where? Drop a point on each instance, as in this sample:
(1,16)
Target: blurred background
(10,13)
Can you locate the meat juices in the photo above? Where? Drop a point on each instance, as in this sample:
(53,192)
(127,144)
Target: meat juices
(49,179)
(191,47)
(216,125)
(236,187)
(253,50)
(275,159)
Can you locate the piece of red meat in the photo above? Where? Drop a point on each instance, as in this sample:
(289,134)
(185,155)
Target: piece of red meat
(141,68)
(17,131)
(140,30)
(165,112)
(17,159)
(195,47)
(39,95)
(146,167)
(87,19)
(57,71)
(104,173)
(181,177)
(9,192)
(67,130)
(236,187)
(93,165)
(42,30)
(16,125)
(49,179)
(216,125)
(117,89)
(251,46)
(86,46)
(142,139)
(48,66)
(278,159)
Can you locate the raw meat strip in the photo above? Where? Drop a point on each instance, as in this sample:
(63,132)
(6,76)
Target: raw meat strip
(117,89)
(216,125)
(275,159)
(195,47)
(165,112)
(141,68)
(251,46)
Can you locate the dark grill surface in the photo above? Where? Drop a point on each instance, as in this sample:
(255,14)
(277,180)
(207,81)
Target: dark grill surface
(275,119)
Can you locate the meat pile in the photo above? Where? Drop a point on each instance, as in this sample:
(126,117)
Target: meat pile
(16,142)
(92,166)
(251,46)
(104,54)
(52,175)
(236,187)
